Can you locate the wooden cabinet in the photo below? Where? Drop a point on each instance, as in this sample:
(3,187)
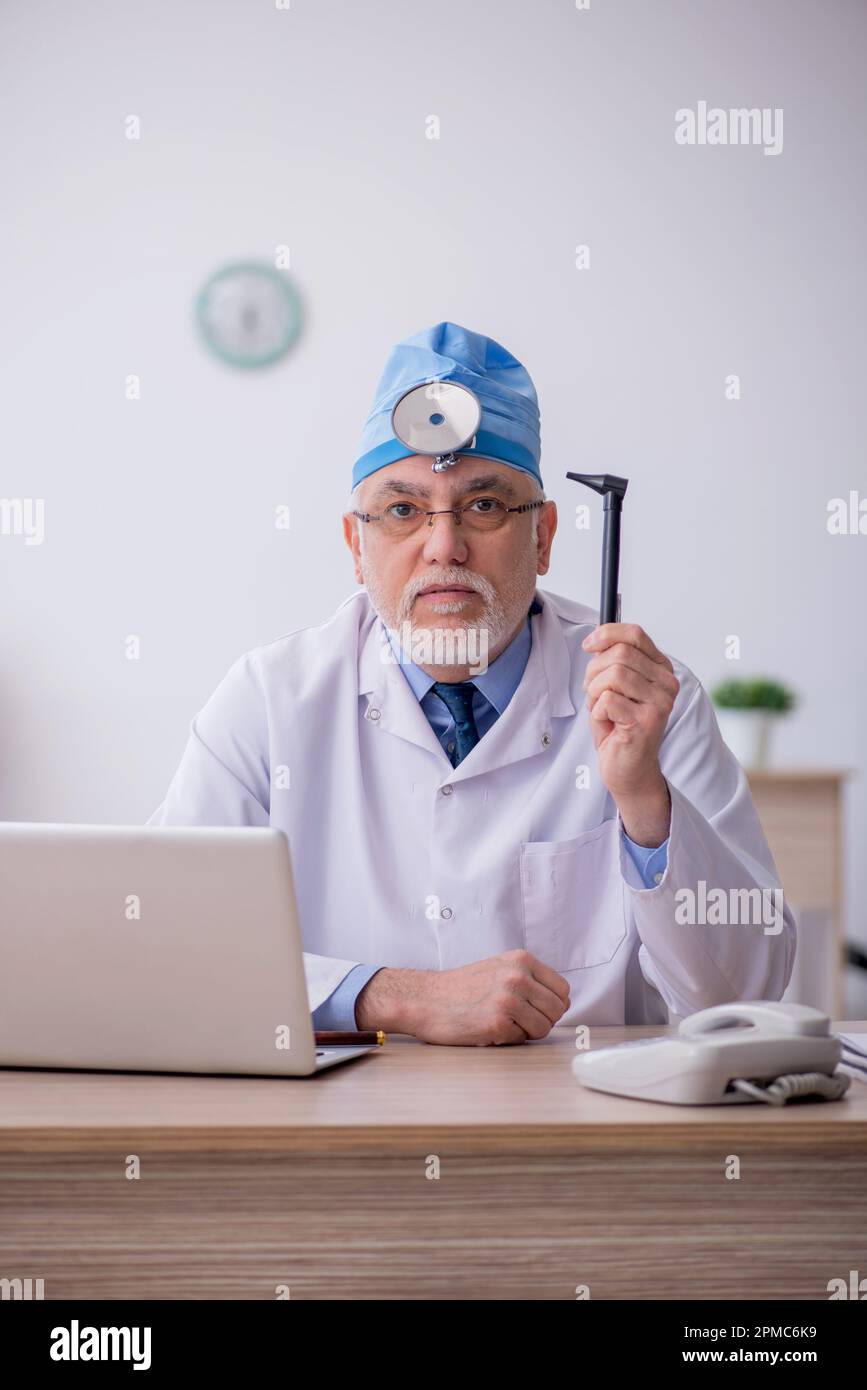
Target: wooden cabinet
(802,815)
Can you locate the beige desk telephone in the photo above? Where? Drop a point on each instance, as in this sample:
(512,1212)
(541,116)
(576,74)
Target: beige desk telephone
(728,1055)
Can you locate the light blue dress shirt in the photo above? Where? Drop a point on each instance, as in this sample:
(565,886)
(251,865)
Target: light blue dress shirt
(494,689)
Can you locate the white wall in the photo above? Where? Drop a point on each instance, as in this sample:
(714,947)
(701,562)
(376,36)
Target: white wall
(307,127)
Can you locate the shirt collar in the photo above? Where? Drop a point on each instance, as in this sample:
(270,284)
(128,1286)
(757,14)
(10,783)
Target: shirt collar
(498,683)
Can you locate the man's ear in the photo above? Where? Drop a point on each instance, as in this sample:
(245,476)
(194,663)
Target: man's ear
(545,536)
(352,536)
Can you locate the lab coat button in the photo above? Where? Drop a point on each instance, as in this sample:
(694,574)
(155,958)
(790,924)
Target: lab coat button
(445,912)
(374,714)
(657,878)
(447,790)
(546,739)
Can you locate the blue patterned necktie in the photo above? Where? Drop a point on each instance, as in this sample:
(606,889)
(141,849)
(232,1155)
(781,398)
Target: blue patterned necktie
(458,700)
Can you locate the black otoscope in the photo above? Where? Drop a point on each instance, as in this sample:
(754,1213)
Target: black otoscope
(612,490)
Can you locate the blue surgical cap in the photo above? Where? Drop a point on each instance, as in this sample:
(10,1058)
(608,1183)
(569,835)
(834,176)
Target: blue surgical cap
(509,427)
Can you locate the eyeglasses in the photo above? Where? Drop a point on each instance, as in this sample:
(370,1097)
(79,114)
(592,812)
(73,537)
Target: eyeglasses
(482,514)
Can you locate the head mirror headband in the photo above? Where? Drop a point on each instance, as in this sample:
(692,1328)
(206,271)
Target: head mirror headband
(439,418)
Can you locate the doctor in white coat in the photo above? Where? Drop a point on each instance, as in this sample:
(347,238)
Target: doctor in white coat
(501,816)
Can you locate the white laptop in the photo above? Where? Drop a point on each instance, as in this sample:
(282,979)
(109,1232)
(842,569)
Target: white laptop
(153,948)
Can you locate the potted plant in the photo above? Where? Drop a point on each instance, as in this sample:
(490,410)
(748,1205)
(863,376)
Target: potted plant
(746,711)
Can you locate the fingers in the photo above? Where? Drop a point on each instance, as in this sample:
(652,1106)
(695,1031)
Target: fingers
(526,1016)
(510,1034)
(628,663)
(633,659)
(550,978)
(627,682)
(530,998)
(615,709)
(607,634)
(546,1001)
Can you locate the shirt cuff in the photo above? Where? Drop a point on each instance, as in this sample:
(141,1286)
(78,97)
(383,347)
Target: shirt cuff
(336,1014)
(651,861)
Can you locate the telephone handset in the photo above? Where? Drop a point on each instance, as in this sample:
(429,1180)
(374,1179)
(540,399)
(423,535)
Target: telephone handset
(797,1020)
(725,1055)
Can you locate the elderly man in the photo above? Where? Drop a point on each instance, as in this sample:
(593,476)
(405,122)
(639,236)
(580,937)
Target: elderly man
(501,816)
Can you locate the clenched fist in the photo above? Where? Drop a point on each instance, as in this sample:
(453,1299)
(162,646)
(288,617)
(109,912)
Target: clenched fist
(504,999)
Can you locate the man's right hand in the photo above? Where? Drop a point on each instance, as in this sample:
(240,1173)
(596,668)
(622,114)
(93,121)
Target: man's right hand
(505,999)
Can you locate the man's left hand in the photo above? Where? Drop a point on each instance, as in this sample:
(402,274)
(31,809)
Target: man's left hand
(631,688)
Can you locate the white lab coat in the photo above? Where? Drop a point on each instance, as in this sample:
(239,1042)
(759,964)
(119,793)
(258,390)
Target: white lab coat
(402,860)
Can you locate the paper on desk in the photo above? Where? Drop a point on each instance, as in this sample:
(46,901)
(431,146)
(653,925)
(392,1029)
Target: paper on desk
(857,1043)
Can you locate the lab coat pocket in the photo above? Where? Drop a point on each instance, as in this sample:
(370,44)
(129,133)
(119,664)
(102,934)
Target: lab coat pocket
(573,899)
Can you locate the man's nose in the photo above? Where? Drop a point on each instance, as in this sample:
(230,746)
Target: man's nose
(444,542)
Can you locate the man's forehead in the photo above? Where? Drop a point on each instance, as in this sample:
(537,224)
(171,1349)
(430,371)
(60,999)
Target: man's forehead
(414,477)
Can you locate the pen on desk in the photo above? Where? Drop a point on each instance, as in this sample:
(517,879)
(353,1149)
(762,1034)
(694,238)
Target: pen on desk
(350,1039)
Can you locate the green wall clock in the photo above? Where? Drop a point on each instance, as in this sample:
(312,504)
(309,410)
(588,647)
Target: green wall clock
(249,314)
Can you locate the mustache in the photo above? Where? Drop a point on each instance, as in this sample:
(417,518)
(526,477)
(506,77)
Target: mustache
(465,578)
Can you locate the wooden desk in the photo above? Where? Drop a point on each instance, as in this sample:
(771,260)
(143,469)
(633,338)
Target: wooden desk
(320,1184)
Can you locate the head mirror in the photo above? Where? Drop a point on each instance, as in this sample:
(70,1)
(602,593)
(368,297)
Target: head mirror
(437,418)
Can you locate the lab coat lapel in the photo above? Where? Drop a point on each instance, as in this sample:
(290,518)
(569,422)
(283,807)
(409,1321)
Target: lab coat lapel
(388,699)
(523,730)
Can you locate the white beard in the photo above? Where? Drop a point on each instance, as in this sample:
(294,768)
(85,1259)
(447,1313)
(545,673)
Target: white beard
(500,614)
